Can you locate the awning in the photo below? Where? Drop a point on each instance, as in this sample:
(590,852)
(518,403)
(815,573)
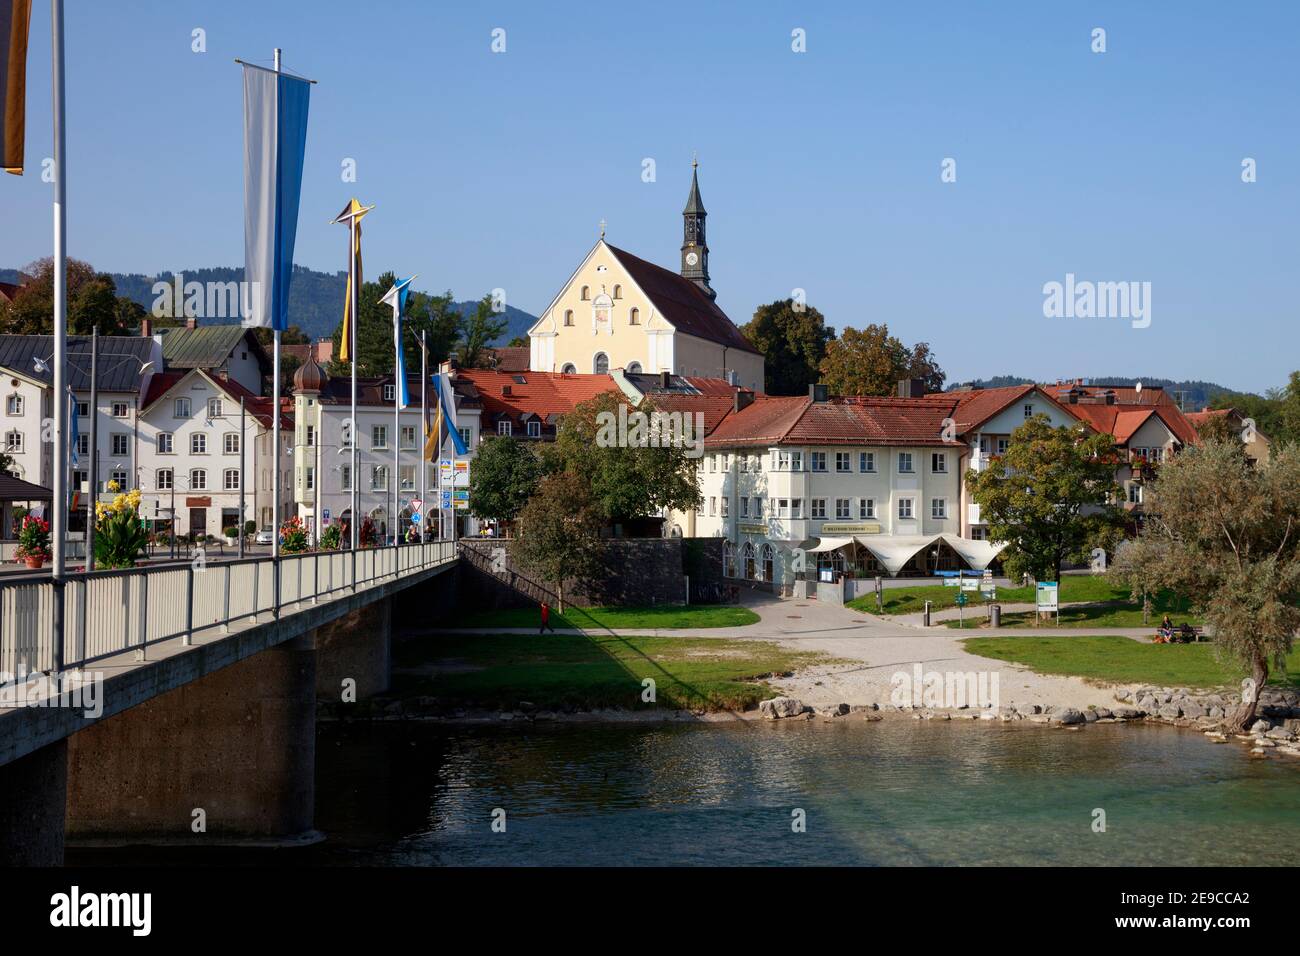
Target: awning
(829,544)
(894,551)
(978,554)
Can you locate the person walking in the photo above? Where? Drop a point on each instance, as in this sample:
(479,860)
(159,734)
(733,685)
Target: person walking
(546,619)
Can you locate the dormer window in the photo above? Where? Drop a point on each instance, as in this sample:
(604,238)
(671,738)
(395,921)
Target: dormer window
(390,392)
(534,429)
(503,427)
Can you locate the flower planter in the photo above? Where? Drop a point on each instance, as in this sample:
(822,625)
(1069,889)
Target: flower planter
(35,563)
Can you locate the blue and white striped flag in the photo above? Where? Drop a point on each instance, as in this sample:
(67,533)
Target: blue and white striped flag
(396,298)
(447,408)
(275,141)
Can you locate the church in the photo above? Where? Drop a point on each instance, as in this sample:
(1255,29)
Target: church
(620,311)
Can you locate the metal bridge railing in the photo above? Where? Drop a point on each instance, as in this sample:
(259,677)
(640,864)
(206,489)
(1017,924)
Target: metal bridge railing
(110,612)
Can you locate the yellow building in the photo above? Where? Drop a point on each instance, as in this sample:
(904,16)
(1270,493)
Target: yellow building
(620,311)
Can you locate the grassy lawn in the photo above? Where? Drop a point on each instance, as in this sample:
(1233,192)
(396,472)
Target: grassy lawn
(555,671)
(1074,587)
(1116,659)
(1109,614)
(590,618)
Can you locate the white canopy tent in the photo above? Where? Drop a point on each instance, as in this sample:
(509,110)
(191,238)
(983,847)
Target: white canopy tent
(893,552)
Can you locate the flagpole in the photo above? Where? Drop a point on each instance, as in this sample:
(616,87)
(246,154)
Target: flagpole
(59,524)
(94,453)
(275,440)
(397,421)
(424,423)
(354,524)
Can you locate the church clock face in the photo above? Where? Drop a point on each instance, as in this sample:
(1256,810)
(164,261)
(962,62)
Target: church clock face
(692,258)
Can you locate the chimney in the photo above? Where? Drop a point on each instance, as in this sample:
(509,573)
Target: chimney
(911,388)
(664,375)
(146,327)
(744,398)
(818,392)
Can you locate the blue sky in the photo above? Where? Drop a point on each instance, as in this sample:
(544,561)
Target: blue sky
(820,170)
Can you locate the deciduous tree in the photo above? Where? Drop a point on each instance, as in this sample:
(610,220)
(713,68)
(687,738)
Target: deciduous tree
(505,475)
(870,361)
(793,342)
(559,533)
(92,301)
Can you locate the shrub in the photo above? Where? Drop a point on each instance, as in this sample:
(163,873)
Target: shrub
(33,539)
(293,536)
(331,537)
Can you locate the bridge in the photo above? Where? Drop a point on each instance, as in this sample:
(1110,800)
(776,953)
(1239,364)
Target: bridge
(180,704)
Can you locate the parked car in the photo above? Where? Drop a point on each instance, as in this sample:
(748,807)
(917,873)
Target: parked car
(265,536)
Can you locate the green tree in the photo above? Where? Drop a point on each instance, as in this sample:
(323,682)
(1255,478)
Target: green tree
(628,479)
(559,533)
(793,341)
(505,475)
(440,321)
(92,301)
(1227,533)
(519,342)
(870,361)
(6,465)
(374,333)
(480,330)
(1052,497)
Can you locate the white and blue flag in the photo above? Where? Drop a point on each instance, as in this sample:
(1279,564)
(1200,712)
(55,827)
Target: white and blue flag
(275,140)
(396,298)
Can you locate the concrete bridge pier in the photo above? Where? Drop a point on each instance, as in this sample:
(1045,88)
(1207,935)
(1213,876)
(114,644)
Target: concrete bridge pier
(33,792)
(227,758)
(356,648)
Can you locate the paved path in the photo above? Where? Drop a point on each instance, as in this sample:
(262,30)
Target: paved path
(873,650)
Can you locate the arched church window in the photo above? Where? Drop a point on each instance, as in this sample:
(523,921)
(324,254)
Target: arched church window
(618,292)
(568,316)
(600,365)
(634,316)
(634,368)
(728,559)
(569,369)
(768,557)
(585,294)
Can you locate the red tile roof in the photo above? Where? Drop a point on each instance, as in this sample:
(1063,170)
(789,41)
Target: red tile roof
(511,358)
(543,394)
(715,408)
(682,303)
(798,420)
(259,406)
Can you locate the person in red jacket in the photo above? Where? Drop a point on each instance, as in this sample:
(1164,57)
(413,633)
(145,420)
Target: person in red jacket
(546,619)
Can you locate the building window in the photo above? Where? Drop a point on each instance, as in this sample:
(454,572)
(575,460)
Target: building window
(407,476)
(79,480)
(842,461)
(725,503)
(311,477)
(818,508)
(379,478)
(309,436)
(232,443)
(978,533)
(634,316)
(83,409)
(198,444)
(842,508)
(938,508)
(744,506)
(230,479)
(796,507)
(198,479)
(600,364)
(390,392)
(939,462)
(345,435)
(819,461)
(866,508)
(618,292)
(503,427)
(119,409)
(866,461)
(464,436)
(904,462)
(378,436)
(408,436)
(634,368)
(214,408)
(345,477)
(164,443)
(14,405)
(568,317)
(713,506)
(119,478)
(121,444)
(162,479)
(569,369)
(1135,494)
(905,508)
(14,442)
(534,429)
(181,408)
(1029,411)
(585,294)
(1002,446)
(83,445)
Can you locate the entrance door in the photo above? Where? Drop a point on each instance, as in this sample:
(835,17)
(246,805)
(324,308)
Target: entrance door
(198,521)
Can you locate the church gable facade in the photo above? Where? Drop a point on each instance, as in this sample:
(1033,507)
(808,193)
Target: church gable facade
(620,311)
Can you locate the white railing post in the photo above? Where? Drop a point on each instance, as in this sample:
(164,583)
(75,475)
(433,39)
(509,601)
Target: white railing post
(225,607)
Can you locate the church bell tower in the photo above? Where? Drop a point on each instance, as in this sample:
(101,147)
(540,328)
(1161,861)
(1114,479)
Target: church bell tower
(695,251)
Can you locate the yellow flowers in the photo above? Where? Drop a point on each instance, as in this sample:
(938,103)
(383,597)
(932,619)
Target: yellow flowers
(128,503)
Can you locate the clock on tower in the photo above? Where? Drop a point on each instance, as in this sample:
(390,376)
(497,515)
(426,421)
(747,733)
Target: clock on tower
(695,251)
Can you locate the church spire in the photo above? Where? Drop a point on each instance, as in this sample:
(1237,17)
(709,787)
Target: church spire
(695,251)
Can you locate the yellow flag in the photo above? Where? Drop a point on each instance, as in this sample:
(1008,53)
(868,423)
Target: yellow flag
(353,211)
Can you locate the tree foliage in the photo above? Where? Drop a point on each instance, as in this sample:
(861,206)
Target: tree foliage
(1226,533)
(793,342)
(1276,414)
(870,361)
(627,479)
(559,532)
(479,330)
(1052,497)
(92,302)
(505,475)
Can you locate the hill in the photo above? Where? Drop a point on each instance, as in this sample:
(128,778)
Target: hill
(315,298)
(1196,394)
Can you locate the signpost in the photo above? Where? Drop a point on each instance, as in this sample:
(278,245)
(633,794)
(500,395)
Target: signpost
(1046,595)
(961,605)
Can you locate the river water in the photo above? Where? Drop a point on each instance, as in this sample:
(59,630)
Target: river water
(894,792)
